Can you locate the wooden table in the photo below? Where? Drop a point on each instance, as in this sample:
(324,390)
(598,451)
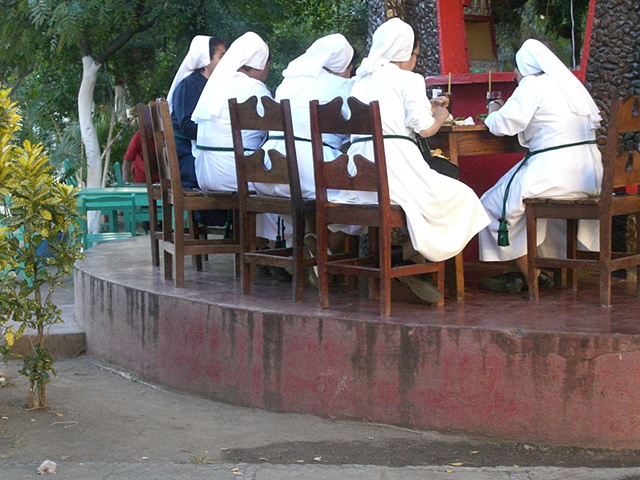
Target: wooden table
(459,141)
(139,190)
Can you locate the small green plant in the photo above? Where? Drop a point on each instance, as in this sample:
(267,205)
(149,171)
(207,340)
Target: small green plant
(200,459)
(39,244)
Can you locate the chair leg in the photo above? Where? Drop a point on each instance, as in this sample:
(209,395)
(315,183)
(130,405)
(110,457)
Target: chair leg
(572,252)
(247,234)
(153,229)
(459,271)
(178,257)
(374,245)
(532,251)
(298,260)
(440,281)
(155,249)
(323,278)
(194,234)
(168,237)
(236,239)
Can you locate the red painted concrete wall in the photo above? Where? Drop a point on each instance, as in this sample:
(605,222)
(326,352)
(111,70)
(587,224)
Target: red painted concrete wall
(578,389)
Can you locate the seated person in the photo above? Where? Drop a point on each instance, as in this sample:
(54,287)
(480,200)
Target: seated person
(133,161)
(321,73)
(188,84)
(555,117)
(442,214)
(240,74)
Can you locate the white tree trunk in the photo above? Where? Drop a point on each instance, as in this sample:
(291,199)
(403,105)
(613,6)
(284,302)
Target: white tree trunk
(121,104)
(88,131)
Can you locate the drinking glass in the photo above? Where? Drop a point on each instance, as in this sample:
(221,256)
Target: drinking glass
(495,95)
(448,101)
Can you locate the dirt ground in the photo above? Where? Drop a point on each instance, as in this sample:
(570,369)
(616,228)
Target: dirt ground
(100,415)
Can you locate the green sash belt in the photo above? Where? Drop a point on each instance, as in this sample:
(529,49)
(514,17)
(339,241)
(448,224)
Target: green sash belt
(401,137)
(214,149)
(503,231)
(181,136)
(299,139)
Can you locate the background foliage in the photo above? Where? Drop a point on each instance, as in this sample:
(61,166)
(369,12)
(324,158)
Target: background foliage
(41,45)
(42,42)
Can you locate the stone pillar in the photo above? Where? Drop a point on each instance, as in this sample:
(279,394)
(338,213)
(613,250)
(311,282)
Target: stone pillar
(422,15)
(614,71)
(613,68)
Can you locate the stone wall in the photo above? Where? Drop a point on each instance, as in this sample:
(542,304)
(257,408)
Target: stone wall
(613,69)
(421,14)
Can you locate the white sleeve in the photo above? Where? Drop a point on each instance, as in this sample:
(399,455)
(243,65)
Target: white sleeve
(517,112)
(418,116)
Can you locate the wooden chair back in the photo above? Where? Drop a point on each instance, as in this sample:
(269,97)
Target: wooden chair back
(250,169)
(168,165)
(370,176)
(371,173)
(154,192)
(250,164)
(179,237)
(621,160)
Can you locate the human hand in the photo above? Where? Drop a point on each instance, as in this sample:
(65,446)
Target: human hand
(440,113)
(494,105)
(439,102)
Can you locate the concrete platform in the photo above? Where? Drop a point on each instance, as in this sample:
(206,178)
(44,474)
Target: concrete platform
(563,371)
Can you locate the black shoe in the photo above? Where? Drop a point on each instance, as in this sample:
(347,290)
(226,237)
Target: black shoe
(280,274)
(544,281)
(512,282)
(422,288)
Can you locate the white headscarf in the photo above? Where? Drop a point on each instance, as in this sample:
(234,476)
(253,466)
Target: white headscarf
(197,57)
(248,50)
(332,52)
(392,42)
(534,57)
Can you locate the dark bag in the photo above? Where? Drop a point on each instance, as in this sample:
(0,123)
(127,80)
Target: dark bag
(440,164)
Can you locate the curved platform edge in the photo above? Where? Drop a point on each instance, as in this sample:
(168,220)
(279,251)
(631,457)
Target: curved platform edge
(579,389)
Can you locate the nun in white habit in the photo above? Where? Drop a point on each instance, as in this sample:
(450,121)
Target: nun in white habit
(556,119)
(443,214)
(323,73)
(239,74)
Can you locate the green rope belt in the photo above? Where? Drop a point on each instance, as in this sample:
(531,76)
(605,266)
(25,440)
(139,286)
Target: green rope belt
(181,136)
(298,139)
(401,137)
(503,231)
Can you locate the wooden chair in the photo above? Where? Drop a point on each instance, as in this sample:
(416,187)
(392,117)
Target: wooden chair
(618,196)
(284,170)
(381,218)
(154,192)
(179,240)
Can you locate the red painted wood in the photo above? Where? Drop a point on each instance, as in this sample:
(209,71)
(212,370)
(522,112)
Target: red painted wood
(454,57)
(582,75)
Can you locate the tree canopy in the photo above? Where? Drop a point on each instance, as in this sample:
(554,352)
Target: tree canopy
(138,45)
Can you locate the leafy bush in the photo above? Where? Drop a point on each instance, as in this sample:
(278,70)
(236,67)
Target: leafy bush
(38,246)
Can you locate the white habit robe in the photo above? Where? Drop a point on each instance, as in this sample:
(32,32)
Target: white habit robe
(324,88)
(539,114)
(217,170)
(443,214)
